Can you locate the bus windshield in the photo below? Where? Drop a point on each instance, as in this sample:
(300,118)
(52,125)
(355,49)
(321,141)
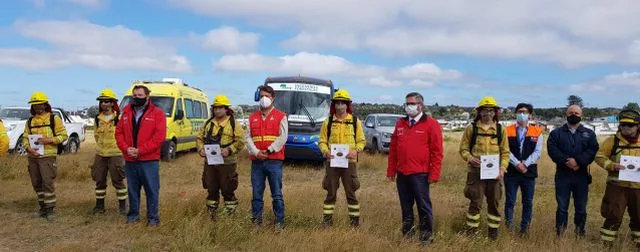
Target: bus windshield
(295,103)
(165,103)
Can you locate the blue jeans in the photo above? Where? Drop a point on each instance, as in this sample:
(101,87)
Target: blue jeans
(415,189)
(270,170)
(527,186)
(568,184)
(143,174)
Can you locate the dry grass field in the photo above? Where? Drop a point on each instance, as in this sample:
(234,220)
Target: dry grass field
(186,227)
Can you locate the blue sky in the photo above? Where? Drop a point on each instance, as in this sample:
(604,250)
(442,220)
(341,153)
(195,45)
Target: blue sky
(520,51)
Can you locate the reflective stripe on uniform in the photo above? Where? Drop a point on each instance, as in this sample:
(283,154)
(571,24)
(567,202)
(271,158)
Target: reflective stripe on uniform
(40,196)
(608,235)
(354,210)
(100,194)
(473,220)
(212,203)
(635,234)
(328,209)
(493,221)
(264,138)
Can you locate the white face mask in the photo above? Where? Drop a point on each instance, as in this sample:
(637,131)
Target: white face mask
(411,110)
(265,102)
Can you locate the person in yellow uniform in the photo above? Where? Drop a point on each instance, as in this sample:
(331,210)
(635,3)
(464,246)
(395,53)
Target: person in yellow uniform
(4,140)
(108,157)
(485,136)
(50,133)
(223,130)
(620,195)
(342,127)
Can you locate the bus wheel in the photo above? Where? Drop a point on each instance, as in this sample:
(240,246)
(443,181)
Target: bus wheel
(169,151)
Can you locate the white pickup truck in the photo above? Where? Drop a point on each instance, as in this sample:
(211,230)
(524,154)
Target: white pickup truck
(15,119)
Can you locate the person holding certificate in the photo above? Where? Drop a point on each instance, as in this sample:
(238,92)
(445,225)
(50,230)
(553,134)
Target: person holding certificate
(572,148)
(221,177)
(341,137)
(47,132)
(615,156)
(485,148)
(415,162)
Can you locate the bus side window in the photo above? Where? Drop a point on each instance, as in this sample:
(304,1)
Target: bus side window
(188,108)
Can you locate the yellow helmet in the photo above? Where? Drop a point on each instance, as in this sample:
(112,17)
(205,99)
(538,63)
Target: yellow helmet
(488,102)
(221,100)
(38,98)
(341,95)
(107,94)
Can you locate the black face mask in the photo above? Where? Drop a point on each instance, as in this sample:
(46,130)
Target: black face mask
(573,119)
(139,102)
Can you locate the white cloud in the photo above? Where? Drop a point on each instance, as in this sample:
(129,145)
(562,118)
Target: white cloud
(89,3)
(422,84)
(101,47)
(314,64)
(622,83)
(309,40)
(228,39)
(385,98)
(571,33)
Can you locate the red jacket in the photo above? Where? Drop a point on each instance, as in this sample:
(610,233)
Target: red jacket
(150,136)
(416,149)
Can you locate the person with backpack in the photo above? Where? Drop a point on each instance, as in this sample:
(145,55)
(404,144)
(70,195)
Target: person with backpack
(266,137)
(4,140)
(572,148)
(43,155)
(221,129)
(341,127)
(485,136)
(415,162)
(620,195)
(525,142)
(108,157)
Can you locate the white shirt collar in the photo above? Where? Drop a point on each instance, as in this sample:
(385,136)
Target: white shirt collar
(417,118)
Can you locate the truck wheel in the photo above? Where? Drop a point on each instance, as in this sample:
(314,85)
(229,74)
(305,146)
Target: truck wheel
(169,151)
(73,145)
(20,150)
(374,148)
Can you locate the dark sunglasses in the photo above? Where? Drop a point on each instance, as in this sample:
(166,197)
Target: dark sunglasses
(628,125)
(106,101)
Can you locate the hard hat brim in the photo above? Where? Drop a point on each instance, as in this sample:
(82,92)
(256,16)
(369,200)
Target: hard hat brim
(628,120)
(37,102)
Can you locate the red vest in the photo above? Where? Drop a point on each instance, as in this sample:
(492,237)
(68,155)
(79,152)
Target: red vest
(264,132)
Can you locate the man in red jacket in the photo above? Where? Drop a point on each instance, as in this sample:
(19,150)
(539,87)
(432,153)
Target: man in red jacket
(415,156)
(140,133)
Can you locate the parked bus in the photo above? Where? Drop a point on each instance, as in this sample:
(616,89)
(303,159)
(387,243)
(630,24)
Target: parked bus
(306,101)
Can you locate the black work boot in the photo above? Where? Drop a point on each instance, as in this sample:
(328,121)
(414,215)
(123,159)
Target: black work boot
(122,207)
(42,213)
(212,212)
(354,221)
(493,234)
(50,214)
(99,209)
(327,220)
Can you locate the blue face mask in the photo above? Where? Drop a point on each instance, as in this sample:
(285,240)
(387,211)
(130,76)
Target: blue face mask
(522,117)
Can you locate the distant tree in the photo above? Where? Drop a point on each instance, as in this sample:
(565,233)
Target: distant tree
(436,105)
(92,111)
(575,100)
(632,105)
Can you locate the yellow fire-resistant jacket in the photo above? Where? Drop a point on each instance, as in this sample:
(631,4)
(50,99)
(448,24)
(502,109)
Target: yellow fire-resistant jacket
(40,125)
(606,162)
(4,140)
(342,133)
(227,137)
(105,135)
(485,145)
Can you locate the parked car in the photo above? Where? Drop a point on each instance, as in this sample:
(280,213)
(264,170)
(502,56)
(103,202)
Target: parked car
(378,129)
(15,119)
